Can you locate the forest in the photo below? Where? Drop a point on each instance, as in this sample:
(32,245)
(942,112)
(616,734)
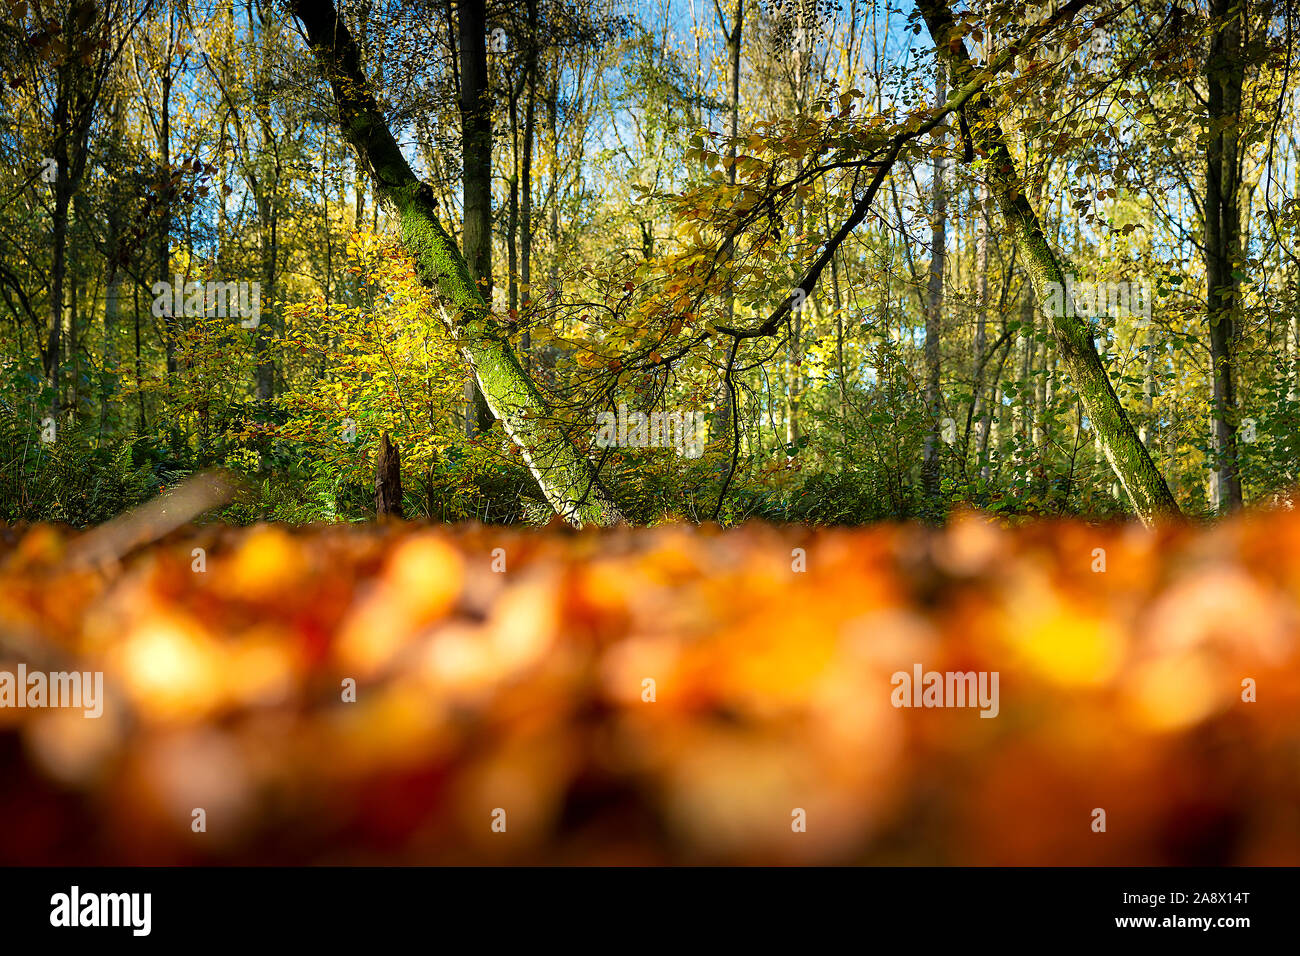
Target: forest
(654,432)
(802,261)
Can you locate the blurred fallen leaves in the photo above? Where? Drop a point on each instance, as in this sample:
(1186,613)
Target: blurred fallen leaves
(667,695)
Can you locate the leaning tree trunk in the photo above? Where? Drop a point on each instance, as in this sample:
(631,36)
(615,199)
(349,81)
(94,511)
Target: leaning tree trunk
(1137,473)
(566,476)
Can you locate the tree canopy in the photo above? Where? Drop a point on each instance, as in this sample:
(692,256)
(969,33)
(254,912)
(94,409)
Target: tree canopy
(799,260)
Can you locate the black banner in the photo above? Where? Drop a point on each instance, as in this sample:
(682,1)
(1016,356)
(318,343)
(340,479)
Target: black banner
(330,906)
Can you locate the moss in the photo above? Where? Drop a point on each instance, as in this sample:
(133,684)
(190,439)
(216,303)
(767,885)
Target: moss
(1138,474)
(564,474)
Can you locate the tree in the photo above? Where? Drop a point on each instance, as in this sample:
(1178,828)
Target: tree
(734,37)
(934,306)
(476,155)
(566,476)
(1137,473)
(1225,68)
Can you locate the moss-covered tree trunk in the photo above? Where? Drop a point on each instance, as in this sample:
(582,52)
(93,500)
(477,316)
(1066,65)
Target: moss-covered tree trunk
(566,476)
(1138,474)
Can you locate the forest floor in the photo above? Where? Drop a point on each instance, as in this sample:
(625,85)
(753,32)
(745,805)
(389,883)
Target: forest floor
(408,693)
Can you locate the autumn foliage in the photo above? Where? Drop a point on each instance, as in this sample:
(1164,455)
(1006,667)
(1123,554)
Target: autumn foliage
(515,680)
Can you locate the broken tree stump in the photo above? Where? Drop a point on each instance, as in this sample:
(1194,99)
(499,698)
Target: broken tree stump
(388,480)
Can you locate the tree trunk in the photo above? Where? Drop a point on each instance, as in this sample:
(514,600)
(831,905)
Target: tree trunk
(73,110)
(934,309)
(512,204)
(81,218)
(981,410)
(139,367)
(388,480)
(1147,431)
(794,345)
(1028,411)
(1138,474)
(548,354)
(565,475)
(58,272)
(721,424)
(268,220)
(838,302)
(476,154)
(526,183)
(1224,71)
(165,192)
